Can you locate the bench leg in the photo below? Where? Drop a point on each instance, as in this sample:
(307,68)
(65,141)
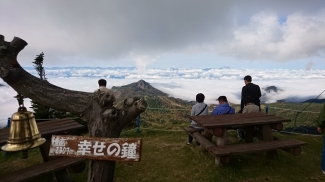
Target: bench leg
(63,175)
(249,134)
(219,161)
(220,141)
(207,135)
(268,136)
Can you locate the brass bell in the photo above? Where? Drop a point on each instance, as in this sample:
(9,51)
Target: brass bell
(23,133)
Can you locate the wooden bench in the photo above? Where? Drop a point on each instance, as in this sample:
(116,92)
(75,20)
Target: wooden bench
(222,153)
(52,164)
(48,128)
(35,171)
(291,145)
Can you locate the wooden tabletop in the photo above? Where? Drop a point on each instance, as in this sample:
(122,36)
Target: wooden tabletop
(48,128)
(237,120)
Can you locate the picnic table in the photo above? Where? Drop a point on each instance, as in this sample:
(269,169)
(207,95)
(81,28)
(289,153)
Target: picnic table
(55,165)
(254,124)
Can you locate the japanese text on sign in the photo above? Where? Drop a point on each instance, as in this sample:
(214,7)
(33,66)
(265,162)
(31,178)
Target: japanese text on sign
(96,148)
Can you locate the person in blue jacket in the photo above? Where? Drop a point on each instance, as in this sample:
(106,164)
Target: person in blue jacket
(223,108)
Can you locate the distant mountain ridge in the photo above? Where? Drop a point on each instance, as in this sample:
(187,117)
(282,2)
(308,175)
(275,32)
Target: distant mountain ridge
(137,89)
(154,97)
(157,98)
(314,101)
(270,89)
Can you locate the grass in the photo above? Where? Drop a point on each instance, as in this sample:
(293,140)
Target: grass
(166,157)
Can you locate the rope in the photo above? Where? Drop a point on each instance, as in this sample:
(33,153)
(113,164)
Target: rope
(294,110)
(167,109)
(299,133)
(306,107)
(162,130)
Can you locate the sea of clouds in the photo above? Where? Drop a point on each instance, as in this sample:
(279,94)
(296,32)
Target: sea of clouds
(293,85)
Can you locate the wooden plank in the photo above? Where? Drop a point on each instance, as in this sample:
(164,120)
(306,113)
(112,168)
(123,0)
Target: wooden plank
(47,128)
(192,130)
(255,147)
(97,148)
(237,120)
(60,130)
(58,127)
(4,133)
(204,142)
(33,172)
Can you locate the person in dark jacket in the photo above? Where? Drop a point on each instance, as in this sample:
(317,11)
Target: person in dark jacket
(251,90)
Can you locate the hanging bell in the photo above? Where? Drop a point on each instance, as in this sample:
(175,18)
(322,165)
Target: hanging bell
(23,133)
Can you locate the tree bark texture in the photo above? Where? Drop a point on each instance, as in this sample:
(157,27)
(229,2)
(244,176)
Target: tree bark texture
(104,120)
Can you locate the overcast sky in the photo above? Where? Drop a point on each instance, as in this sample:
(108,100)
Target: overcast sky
(171,33)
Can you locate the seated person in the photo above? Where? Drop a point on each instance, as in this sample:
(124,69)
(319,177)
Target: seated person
(249,107)
(200,108)
(223,108)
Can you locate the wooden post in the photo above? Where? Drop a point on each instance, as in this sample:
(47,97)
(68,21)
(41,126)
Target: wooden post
(249,134)
(97,109)
(268,136)
(61,175)
(220,141)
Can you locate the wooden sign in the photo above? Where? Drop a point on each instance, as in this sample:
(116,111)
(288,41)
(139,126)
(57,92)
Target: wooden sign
(114,149)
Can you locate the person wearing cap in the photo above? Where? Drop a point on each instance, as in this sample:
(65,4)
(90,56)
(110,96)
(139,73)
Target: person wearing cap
(223,108)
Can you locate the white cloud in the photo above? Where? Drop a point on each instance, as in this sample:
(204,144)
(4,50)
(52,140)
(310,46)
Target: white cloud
(142,61)
(265,37)
(297,85)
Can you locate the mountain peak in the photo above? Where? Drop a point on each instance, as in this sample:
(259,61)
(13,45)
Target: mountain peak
(272,88)
(136,89)
(143,84)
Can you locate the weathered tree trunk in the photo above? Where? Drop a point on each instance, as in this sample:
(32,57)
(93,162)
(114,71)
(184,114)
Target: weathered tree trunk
(104,120)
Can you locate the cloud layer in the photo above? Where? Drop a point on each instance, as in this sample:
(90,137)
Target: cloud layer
(295,85)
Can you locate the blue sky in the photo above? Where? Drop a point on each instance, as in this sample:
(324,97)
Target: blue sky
(208,60)
(173,33)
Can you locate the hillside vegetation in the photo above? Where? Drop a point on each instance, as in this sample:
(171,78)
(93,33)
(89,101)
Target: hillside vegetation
(165,111)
